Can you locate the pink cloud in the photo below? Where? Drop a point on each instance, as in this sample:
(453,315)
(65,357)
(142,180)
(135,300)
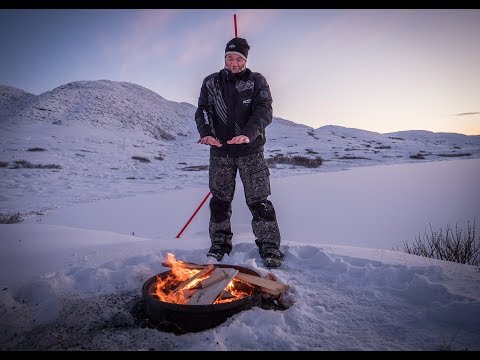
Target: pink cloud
(138,47)
(204,41)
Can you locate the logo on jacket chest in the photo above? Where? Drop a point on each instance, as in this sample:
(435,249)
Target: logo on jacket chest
(247,101)
(244,85)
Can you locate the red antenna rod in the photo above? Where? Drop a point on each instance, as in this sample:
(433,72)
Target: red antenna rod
(235,23)
(193,215)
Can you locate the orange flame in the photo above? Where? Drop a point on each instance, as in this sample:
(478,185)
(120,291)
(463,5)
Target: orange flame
(165,288)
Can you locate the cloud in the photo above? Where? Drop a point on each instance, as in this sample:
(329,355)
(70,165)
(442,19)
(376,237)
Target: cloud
(252,21)
(209,38)
(202,41)
(144,40)
(468,113)
(146,24)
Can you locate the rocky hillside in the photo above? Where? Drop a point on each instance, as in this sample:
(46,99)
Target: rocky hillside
(103,103)
(120,139)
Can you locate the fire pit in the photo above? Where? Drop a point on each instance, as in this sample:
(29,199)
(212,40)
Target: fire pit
(192,297)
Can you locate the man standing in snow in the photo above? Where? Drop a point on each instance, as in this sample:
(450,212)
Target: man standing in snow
(234,108)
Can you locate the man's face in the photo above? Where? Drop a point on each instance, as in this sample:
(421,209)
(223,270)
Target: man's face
(235,63)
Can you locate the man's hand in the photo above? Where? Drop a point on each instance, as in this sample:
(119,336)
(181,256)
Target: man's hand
(240,139)
(209,140)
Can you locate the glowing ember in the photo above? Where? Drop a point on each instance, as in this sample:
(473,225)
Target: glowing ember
(175,288)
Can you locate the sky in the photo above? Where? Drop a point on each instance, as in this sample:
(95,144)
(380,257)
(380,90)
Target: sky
(375,69)
(69,284)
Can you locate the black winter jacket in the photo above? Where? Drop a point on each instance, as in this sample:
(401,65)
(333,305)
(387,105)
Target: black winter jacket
(231,105)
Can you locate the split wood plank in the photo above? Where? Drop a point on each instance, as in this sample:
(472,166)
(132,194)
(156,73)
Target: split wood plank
(196,276)
(187,293)
(226,295)
(214,277)
(207,295)
(266,285)
(187,265)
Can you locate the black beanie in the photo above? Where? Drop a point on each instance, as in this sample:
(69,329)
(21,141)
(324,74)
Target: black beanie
(237,46)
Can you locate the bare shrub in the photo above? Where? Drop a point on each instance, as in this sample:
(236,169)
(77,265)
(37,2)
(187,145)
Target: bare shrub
(348,157)
(456,246)
(36,149)
(195,168)
(141,159)
(24,164)
(312,134)
(455,155)
(10,218)
(295,160)
(159,133)
(307,162)
(417,156)
(3,164)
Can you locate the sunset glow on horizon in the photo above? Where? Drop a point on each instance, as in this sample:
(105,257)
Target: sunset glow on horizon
(374,69)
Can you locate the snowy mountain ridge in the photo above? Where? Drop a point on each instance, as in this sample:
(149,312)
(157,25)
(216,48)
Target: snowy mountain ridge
(133,140)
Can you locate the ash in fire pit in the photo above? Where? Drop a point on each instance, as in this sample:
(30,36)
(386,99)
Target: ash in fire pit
(192,297)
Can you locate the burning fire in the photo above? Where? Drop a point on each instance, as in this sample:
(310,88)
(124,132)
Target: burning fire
(169,289)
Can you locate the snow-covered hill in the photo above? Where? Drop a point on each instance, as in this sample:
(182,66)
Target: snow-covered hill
(108,104)
(131,141)
(12,99)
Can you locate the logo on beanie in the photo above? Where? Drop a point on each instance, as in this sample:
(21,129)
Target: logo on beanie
(238,46)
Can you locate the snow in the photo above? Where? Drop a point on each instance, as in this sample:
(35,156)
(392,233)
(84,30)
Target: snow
(95,230)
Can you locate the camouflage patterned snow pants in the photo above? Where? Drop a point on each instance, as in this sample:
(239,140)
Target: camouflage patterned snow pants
(256,182)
